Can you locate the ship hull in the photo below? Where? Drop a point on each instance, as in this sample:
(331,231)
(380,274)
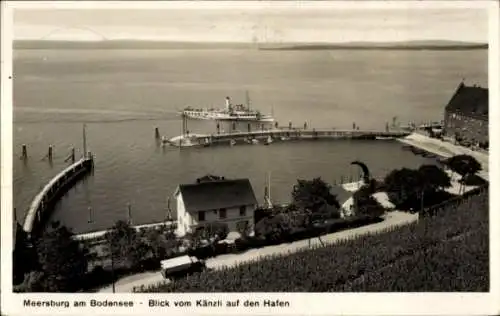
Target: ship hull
(227,118)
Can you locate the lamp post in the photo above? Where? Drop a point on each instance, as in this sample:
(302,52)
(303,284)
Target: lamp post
(112,267)
(422,202)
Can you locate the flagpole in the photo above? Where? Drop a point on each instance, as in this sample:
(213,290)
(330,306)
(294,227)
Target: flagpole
(269,185)
(84,140)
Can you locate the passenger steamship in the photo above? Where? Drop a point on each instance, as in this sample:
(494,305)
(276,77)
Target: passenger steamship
(231,112)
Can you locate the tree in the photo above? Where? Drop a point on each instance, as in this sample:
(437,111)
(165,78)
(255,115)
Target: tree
(403,185)
(243,228)
(274,228)
(33,282)
(312,195)
(62,260)
(23,257)
(464,165)
(433,178)
(366,171)
(365,203)
(126,246)
(161,241)
(316,201)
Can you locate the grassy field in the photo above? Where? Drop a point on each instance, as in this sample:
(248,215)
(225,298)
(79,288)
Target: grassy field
(446,252)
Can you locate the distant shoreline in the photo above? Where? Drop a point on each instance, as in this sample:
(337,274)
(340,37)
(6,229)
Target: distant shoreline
(336,47)
(134,44)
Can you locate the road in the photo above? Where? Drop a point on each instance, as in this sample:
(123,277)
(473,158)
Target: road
(394,218)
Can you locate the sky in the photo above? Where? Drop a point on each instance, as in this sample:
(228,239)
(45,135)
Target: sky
(293,24)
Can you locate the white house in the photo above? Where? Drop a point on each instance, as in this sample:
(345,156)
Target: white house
(215,199)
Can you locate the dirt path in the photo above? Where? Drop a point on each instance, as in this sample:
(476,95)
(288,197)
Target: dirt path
(395,218)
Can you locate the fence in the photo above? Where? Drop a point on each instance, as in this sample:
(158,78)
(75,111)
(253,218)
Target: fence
(455,201)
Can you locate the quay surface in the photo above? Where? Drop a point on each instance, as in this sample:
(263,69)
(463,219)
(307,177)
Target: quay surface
(446,150)
(281,134)
(43,201)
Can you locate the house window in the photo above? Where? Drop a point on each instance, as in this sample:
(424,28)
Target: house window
(243,210)
(222,213)
(201,216)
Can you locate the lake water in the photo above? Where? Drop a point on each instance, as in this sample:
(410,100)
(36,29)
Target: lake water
(123,95)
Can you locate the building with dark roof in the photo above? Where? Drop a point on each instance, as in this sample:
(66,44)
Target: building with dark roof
(466,115)
(215,200)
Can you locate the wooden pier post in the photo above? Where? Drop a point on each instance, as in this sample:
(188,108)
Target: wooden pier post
(24,155)
(157,133)
(90,215)
(50,153)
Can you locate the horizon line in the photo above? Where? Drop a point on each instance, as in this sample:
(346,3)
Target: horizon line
(251,42)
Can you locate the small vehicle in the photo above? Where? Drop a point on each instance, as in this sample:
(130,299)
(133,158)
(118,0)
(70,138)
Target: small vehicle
(181,266)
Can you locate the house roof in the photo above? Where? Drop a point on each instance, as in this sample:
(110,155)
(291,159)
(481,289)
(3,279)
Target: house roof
(217,194)
(470,101)
(209,177)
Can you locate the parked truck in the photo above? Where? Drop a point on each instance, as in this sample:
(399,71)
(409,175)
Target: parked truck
(181,266)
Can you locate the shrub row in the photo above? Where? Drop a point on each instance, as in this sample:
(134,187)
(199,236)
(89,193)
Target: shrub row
(243,244)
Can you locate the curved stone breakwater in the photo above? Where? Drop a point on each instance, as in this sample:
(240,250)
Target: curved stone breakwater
(44,201)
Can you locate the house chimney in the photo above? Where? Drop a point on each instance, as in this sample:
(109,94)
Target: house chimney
(228,103)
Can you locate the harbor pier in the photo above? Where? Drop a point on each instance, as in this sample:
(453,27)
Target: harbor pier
(43,202)
(280,134)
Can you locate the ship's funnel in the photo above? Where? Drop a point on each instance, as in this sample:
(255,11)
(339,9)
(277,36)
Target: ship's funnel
(228,103)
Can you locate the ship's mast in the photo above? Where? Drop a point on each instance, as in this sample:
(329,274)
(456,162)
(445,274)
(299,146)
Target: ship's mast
(247,99)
